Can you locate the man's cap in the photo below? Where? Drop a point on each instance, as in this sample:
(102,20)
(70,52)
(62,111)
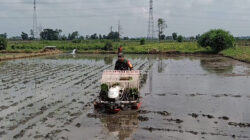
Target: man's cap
(120,55)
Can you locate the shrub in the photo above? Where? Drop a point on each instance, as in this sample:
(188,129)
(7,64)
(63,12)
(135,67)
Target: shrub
(142,41)
(3,43)
(108,46)
(217,39)
(174,35)
(76,41)
(180,38)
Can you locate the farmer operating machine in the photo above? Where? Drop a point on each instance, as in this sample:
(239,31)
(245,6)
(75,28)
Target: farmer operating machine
(119,90)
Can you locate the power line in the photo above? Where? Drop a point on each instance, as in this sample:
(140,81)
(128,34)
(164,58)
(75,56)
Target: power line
(79,9)
(172,15)
(71,2)
(69,16)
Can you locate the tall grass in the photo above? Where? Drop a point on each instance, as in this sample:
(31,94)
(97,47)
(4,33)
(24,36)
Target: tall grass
(240,53)
(93,45)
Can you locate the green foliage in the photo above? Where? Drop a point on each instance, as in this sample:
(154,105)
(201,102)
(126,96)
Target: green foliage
(180,38)
(240,53)
(94,36)
(129,46)
(162,37)
(197,37)
(142,41)
(3,43)
(161,27)
(174,35)
(50,34)
(192,38)
(108,46)
(73,36)
(134,91)
(24,36)
(76,41)
(4,35)
(63,37)
(217,39)
(104,88)
(113,35)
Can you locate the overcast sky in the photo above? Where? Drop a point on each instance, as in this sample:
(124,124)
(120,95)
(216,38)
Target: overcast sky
(186,17)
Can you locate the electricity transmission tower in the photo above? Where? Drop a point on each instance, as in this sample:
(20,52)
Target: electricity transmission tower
(151,21)
(34,21)
(119,28)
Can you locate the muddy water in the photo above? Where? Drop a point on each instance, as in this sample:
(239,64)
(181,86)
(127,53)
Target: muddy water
(183,98)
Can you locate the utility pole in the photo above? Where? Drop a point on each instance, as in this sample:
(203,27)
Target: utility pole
(151,21)
(119,28)
(34,21)
(111,29)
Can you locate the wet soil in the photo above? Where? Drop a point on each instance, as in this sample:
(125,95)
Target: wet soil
(11,56)
(187,97)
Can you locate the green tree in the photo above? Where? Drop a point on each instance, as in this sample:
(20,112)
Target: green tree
(3,43)
(180,38)
(63,37)
(24,36)
(100,36)
(126,38)
(73,36)
(197,37)
(4,35)
(50,34)
(161,27)
(162,37)
(94,36)
(217,39)
(142,41)
(108,46)
(113,35)
(174,35)
(15,38)
(192,38)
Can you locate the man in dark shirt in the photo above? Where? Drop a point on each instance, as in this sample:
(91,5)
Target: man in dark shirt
(122,63)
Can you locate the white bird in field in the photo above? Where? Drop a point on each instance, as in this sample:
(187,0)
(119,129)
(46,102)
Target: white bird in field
(74,51)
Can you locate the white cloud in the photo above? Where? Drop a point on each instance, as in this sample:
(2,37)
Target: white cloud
(188,17)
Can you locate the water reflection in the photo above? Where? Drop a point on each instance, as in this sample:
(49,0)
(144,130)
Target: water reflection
(161,66)
(216,65)
(108,60)
(3,63)
(122,125)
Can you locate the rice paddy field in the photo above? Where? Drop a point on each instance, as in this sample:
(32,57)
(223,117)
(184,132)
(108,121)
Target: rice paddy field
(184,97)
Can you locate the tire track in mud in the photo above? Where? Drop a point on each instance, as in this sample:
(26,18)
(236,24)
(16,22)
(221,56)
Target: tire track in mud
(202,133)
(16,69)
(47,88)
(35,69)
(86,86)
(36,73)
(36,88)
(16,103)
(65,106)
(80,83)
(72,115)
(75,115)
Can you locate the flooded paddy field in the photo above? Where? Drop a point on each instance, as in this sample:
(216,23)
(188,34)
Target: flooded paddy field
(184,97)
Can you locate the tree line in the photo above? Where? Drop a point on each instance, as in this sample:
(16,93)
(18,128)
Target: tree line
(56,34)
